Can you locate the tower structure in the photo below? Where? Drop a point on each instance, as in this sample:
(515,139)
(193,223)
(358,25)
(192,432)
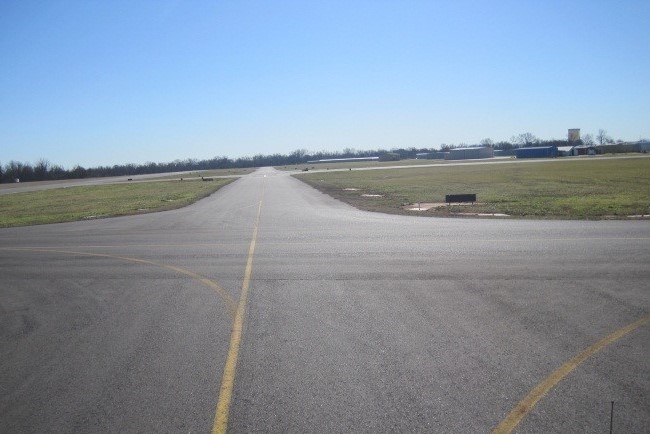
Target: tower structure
(574,135)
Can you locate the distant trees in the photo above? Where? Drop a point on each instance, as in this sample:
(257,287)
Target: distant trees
(16,170)
(504,146)
(296,157)
(525,140)
(44,170)
(389,156)
(487,142)
(40,169)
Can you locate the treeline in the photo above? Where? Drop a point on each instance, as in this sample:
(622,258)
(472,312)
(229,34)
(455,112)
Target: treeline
(44,170)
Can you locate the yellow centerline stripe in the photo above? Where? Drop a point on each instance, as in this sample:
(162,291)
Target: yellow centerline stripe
(228,380)
(227,298)
(522,409)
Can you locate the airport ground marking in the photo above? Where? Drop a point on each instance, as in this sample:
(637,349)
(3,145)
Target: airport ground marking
(524,406)
(220,425)
(223,294)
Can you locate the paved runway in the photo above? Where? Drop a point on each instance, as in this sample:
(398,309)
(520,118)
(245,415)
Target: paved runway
(354,322)
(24,187)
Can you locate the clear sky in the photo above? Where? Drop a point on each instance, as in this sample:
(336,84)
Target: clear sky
(106,82)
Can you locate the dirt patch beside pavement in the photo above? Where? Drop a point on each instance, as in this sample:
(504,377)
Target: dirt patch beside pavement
(438,206)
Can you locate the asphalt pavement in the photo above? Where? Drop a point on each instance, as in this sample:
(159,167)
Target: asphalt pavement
(354,321)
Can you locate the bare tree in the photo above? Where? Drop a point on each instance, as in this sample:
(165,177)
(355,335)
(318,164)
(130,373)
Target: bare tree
(40,169)
(348,152)
(488,143)
(504,146)
(602,137)
(588,139)
(525,140)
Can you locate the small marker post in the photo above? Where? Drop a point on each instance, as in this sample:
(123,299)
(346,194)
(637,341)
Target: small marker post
(611,419)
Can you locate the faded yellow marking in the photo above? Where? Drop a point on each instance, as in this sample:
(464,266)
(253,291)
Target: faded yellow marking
(522,409)
(227,298)
(228,380)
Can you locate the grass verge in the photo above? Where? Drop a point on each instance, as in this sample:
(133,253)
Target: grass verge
(205,173)
(585,188)
(91,202)
(361,164)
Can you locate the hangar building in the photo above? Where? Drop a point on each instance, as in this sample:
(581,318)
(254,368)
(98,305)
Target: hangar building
(469,153)
(537,152)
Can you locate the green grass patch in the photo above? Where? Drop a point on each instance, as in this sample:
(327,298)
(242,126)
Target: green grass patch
(91,202)
(589,188)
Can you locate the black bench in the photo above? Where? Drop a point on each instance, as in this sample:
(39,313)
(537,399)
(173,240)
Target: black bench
(460,198)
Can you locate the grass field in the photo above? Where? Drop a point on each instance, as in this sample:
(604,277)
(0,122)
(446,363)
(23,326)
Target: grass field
(91,202)
(585,188)
(207,173)
(359,164)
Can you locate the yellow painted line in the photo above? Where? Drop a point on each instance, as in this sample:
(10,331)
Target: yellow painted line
(524,407)
(227,298)
(228,380)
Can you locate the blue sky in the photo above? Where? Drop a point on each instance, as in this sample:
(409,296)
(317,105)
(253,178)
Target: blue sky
(107,82)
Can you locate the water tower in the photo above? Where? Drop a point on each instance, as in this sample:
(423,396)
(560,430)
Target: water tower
(574,135)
